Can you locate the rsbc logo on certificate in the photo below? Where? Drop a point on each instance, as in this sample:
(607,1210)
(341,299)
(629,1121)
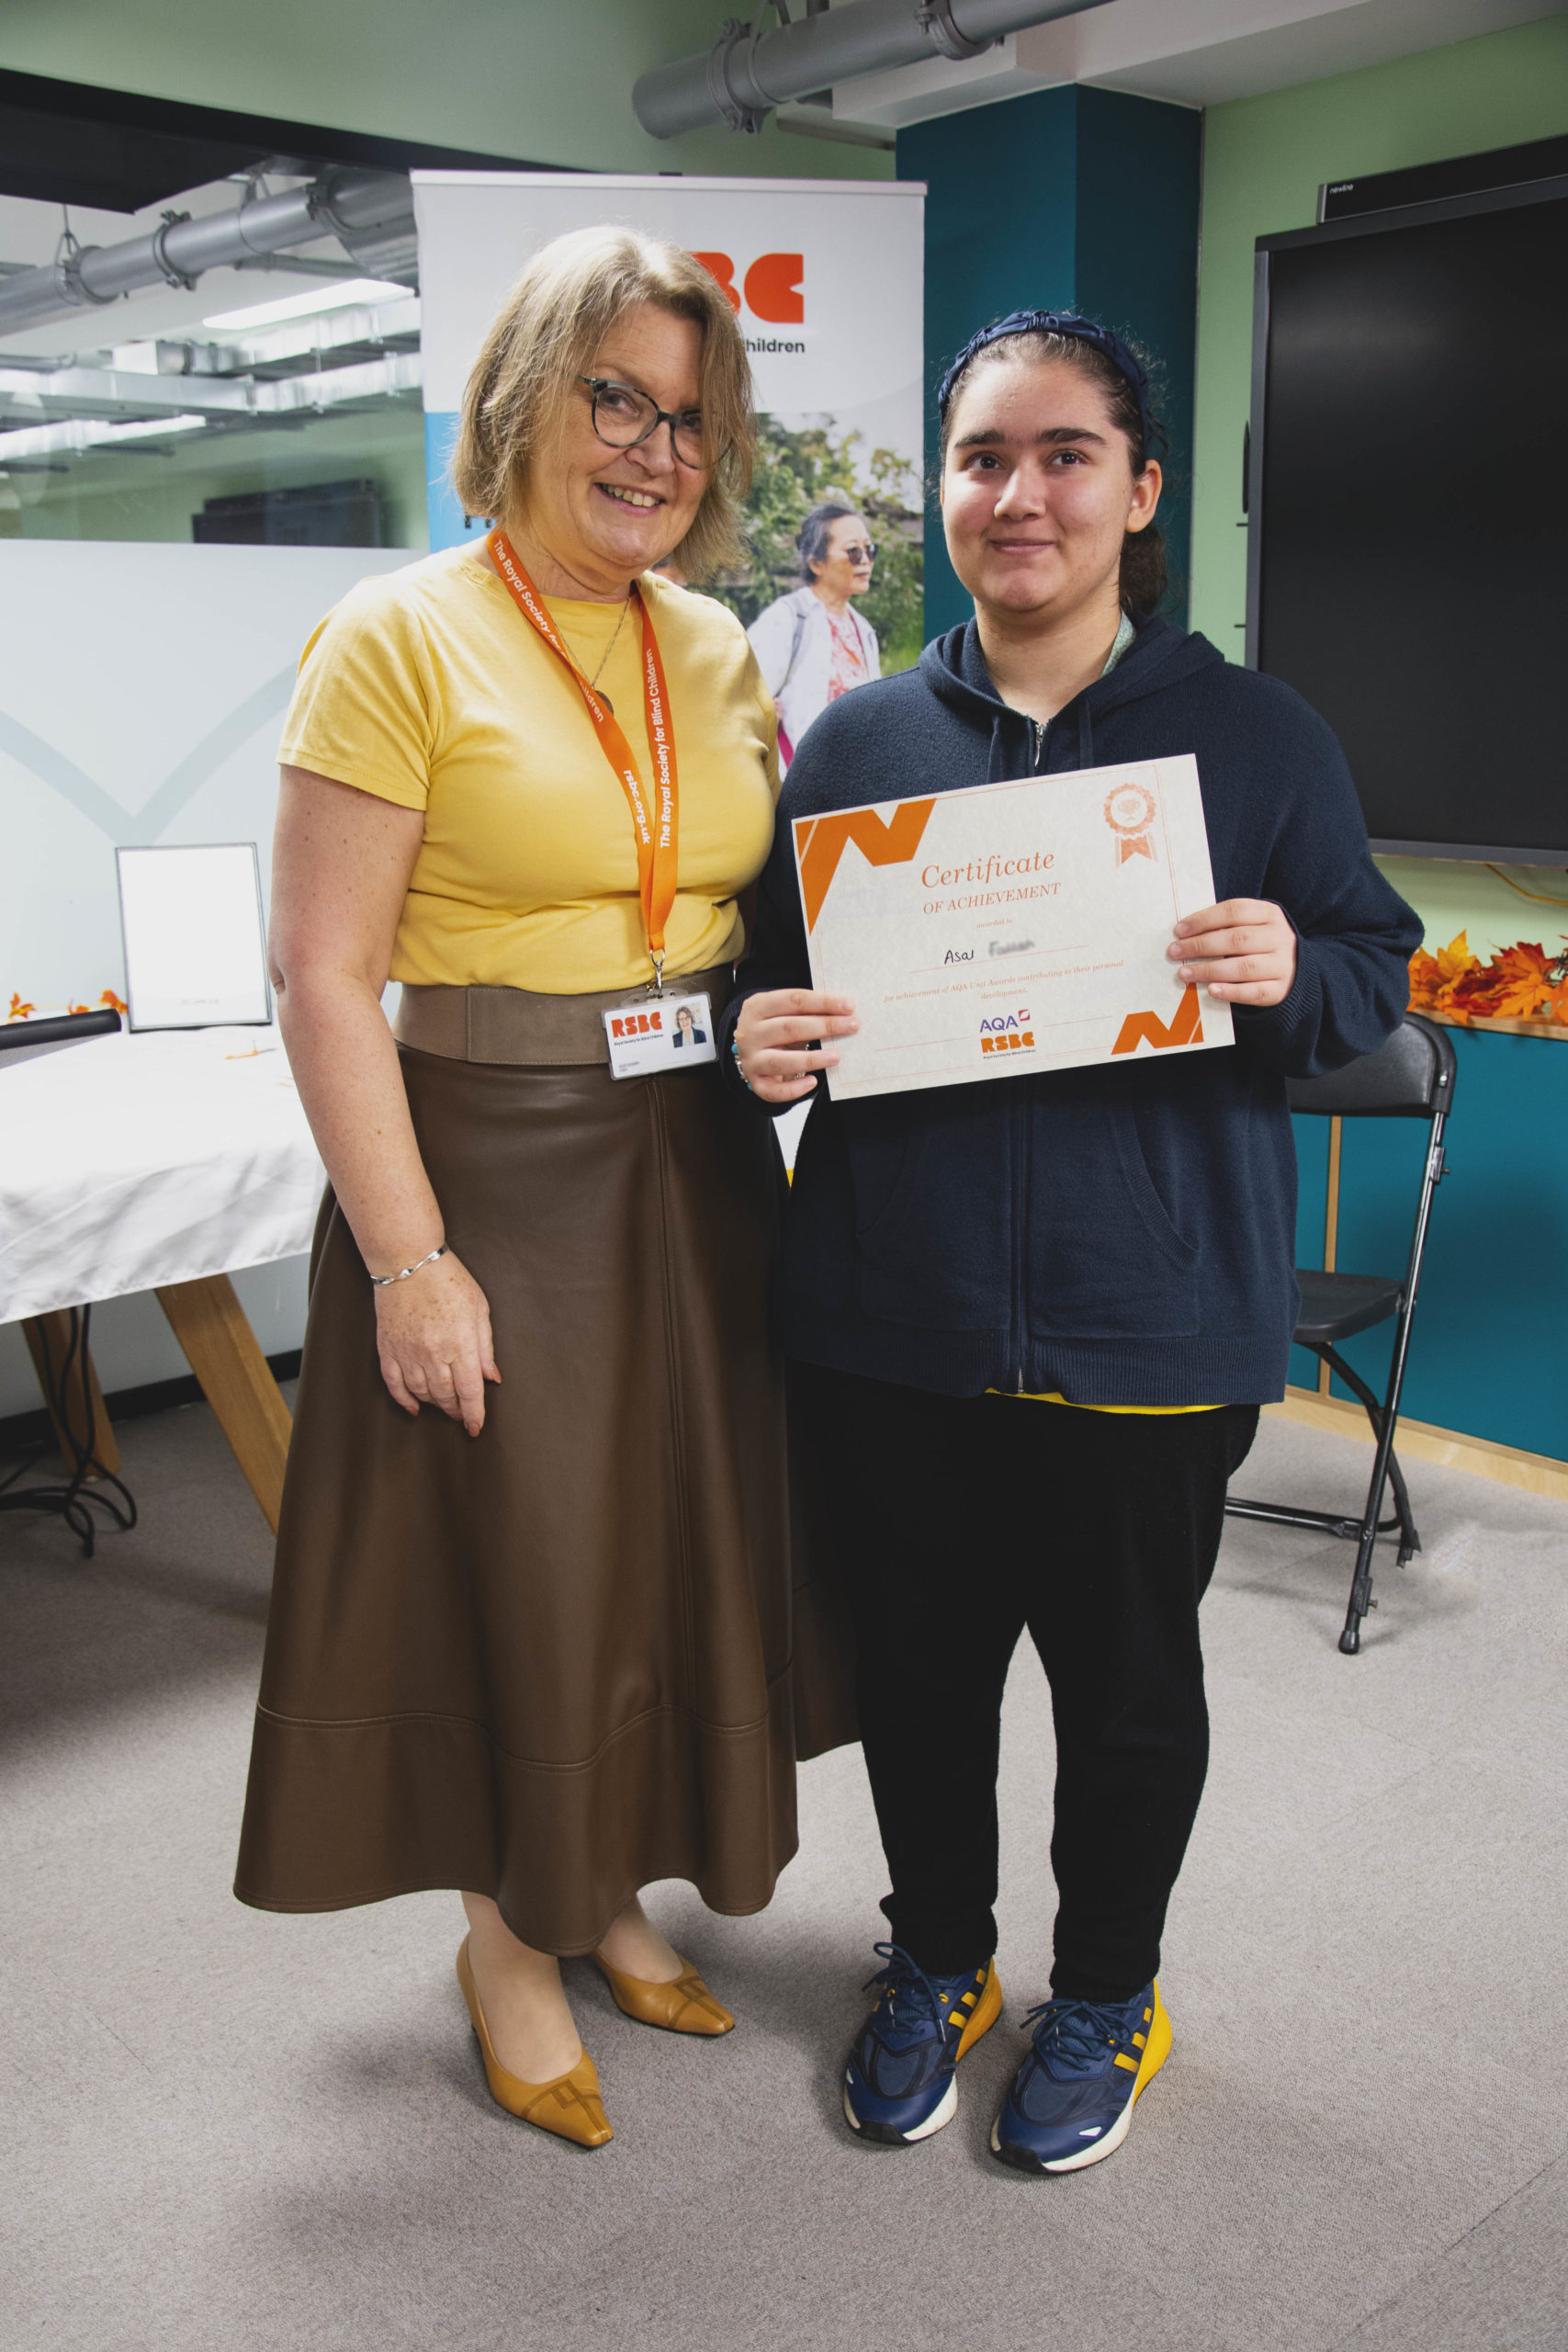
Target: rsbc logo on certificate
(1011,927)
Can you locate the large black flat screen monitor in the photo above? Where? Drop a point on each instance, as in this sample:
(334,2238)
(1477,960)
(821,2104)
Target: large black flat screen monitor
(1409,543)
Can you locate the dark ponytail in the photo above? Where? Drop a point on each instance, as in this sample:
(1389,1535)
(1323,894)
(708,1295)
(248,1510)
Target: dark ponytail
(1146,575)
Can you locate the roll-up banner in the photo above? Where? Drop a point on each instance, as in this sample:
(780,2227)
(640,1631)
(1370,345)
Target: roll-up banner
(825,279)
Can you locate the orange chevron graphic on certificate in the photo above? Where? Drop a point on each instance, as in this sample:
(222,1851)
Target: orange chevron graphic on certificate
(1005,928)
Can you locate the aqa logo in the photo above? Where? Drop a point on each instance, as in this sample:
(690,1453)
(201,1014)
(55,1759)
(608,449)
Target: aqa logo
(1008,1033)
(772,286)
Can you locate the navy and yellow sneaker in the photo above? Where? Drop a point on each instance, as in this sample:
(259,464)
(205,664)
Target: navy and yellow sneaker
(900,2083)
(1072,2100)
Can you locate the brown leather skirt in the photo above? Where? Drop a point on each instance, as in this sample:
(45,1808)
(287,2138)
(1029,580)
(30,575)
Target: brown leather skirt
(563,1659)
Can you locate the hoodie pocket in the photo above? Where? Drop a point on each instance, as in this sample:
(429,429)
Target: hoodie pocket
(1104,1260)
(931,1210)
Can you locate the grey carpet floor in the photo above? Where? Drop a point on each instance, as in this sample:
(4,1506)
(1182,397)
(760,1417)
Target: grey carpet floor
(228,2131)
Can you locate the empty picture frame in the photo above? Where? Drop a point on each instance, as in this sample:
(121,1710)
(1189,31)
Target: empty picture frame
(194,942)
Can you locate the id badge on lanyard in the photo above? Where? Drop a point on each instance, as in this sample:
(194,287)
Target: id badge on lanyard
(654,1031)
(650,1033)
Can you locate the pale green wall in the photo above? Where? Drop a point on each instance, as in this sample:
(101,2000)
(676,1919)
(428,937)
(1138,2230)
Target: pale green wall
(1263,160)
(1494,906)
(548,79)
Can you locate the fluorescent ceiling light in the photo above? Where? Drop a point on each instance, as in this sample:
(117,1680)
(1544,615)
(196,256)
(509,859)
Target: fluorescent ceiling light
(148,428)
(72,435)
(300,306)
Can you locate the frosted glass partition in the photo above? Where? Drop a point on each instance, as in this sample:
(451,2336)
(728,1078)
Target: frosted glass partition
(142,699)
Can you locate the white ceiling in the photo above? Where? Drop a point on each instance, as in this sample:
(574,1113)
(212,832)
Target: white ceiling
(1197,53)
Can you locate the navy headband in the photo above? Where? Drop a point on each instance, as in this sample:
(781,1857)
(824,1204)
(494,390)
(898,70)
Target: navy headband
(1062,322)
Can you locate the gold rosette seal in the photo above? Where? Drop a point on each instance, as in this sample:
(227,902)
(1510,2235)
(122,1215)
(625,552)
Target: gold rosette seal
(1129,812)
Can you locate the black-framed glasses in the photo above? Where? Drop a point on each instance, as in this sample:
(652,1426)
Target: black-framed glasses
(860,550)
(624,417)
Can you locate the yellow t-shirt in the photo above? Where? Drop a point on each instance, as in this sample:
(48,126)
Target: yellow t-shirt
(427,687)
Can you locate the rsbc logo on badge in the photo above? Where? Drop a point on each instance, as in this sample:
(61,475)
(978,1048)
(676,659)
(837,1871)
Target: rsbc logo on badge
(675,1033)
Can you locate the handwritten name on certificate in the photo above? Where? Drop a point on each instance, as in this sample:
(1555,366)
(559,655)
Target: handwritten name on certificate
(1011,927)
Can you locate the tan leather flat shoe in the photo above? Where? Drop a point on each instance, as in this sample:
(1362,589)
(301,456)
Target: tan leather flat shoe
(684,2007)
(570,2107)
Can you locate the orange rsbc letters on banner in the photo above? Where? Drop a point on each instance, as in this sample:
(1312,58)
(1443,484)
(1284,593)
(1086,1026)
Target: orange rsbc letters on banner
(772,286)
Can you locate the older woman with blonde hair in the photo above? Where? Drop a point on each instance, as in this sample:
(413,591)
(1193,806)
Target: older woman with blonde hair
(531,1629)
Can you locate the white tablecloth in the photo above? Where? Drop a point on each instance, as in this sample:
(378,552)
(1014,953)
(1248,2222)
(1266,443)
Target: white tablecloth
(130,1161)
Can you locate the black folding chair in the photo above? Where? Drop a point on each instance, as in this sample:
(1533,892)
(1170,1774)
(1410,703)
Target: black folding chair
(1410,1077)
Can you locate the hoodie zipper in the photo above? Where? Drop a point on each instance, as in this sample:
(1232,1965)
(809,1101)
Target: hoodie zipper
(946,660)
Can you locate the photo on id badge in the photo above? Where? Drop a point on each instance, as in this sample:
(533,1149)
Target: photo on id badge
(659,1033)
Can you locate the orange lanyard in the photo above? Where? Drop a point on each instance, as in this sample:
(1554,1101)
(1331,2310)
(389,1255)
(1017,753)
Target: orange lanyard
(656,835)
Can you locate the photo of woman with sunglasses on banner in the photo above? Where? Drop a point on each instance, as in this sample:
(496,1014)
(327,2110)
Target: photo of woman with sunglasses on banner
(812,645)
(532,1635)
(1031,1321)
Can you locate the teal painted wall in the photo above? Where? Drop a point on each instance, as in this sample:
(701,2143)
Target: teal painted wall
(1063,200)
(1140,168)
(1001,215)
(1488,1354)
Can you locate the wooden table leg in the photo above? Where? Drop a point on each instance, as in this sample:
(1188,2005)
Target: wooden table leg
(49,1343)
(223,1351)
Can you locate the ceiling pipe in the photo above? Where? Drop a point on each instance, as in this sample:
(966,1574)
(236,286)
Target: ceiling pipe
(360,209)
(748,72)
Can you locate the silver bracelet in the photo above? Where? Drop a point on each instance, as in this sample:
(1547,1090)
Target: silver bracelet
(740,1067)
(379,1282)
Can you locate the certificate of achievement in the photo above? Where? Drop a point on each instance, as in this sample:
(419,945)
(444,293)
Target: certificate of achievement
(1010,927)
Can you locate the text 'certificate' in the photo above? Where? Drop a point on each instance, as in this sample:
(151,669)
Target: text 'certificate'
(1010,927)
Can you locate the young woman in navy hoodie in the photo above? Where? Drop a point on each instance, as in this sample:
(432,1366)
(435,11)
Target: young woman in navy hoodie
(1031,1322)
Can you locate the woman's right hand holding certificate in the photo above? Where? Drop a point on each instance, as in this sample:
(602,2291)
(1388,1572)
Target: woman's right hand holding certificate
(779,1040)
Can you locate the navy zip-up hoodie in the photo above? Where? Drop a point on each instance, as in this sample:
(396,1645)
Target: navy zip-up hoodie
(1125,1234)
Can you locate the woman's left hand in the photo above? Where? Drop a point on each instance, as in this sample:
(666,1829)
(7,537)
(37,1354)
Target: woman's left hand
(1243,951)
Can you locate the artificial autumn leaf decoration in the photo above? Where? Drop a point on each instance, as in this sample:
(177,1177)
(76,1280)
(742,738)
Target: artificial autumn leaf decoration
(21,1010)
(1526,977)
(1521,983)
(1455,960)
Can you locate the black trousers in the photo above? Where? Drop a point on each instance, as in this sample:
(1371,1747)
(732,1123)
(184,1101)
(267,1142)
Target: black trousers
(959,1521)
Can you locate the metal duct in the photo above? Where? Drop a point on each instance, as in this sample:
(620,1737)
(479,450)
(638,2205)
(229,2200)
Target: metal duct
(367,212)
(748,71)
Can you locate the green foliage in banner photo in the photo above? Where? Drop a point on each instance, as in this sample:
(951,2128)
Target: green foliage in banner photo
(796,469)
